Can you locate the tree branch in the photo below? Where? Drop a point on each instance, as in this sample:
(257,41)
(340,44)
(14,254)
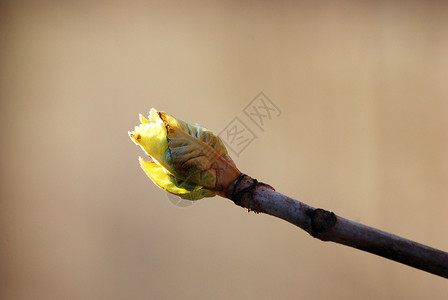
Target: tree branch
(326,226)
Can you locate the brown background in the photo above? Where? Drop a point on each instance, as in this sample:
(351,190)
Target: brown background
(363,89)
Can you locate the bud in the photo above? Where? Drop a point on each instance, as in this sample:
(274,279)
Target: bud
(188,160)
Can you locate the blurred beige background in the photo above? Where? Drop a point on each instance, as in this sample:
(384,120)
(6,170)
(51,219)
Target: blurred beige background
(363,89)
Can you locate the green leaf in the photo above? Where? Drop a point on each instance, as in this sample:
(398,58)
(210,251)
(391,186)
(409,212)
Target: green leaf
(171,184)
(188,159)
(197,154)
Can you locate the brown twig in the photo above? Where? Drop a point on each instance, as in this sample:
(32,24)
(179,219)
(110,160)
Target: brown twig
(326,226)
